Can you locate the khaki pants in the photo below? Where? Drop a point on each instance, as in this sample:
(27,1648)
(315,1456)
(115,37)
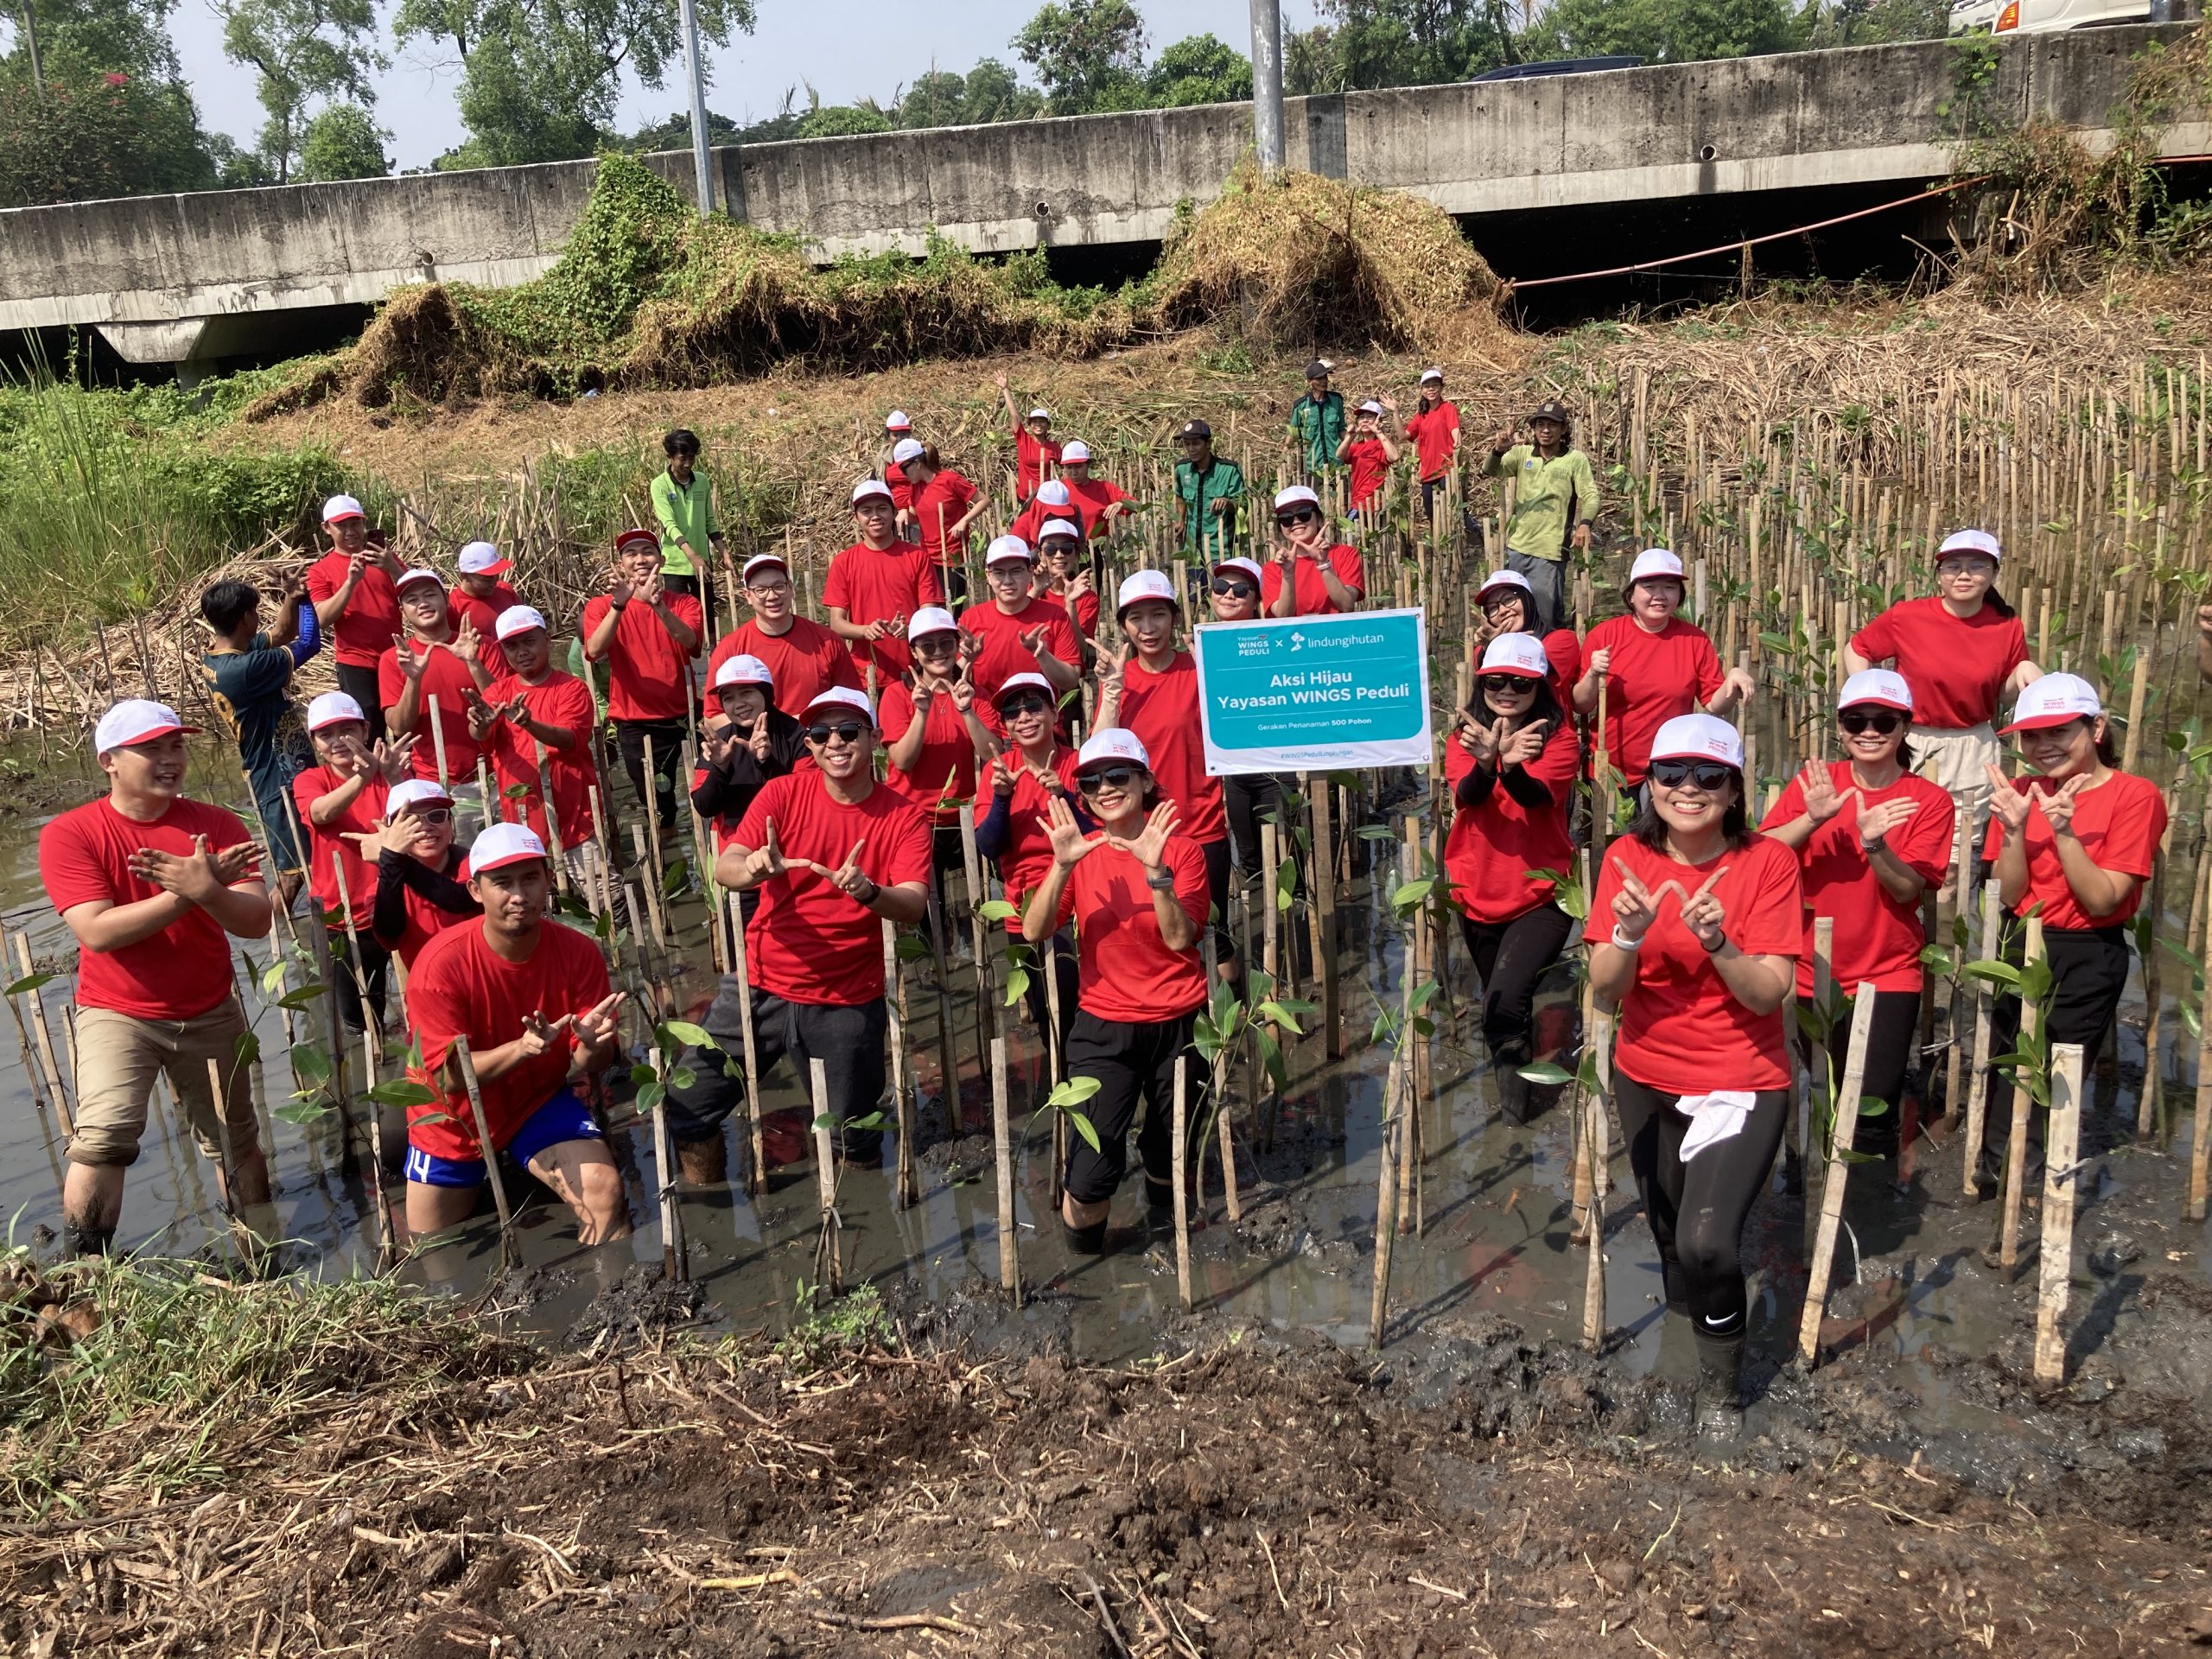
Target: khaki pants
(1958,762)
(117,1057)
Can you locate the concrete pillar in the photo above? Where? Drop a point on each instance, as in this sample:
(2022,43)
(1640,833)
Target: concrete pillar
(1266,84)
(695,70)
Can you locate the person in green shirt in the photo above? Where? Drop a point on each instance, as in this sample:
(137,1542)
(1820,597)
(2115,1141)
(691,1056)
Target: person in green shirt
(683,507)
(1317,422)
(1210,488)
(1555,498)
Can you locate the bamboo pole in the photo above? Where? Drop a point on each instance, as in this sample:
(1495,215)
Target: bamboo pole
(46,1059)
(740,969)
(1386,1201)
(2055,1255)
(509,1255)
(44,1092)
(906,1186)
(1178,1155)
(1843,1128)
(1321,866)
(2016,1148)
(828,1249)
(1002,1138)
(1984,1008)
(1594,1138)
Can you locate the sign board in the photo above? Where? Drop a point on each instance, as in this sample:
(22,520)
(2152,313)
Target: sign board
(1315,693)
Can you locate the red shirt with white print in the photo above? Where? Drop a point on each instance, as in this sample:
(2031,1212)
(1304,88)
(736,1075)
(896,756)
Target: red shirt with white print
(1877,938)
(1126,973)
(2119,824)
(651,677)
(1162,709)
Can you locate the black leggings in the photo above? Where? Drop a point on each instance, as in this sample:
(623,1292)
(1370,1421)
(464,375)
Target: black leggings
(362,684)
(1697,1210)
(1889,1043)
(1128,1061)
(2088,971)
(1510,958)
(1249,800)
(1040,1005)
(668,763)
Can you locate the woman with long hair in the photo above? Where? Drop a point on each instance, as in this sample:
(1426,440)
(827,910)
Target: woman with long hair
(1034,769)
(1706,926)
(934,738)
(1310,572)
(944,504)
(1508,605)
(1511,769)
(1654,666)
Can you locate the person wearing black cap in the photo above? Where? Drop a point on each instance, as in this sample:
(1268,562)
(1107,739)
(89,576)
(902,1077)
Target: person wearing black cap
(1210,489)
(1555,498)
(1317,422)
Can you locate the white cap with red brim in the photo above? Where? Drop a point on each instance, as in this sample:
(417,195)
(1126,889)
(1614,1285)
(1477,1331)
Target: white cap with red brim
(1698,737)
(1027,680)
(1298,495)
(775,560)
(1053,494)
(743,669)
(871,489)
(333,708)
(904,450)
(1516,653)
(897,420)
(1880,688)
(2055,700)
(636,538)
(1141,585)
(1498,579)
(1008,550)
(1041,413)
(482,559)
(1653,564)
(1115,745)
(1973,541)
(414,792)
(136,720)
(1429,374)
(518,619)
(340,507)
(831,698)
(1243,566)
(1059,529)
(931,619)
(502,844)
(1074,452)
(417,573)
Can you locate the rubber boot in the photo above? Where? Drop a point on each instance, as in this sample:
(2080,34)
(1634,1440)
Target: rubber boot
(1513,1102)
(702,1163)
(1084,1241)
(1720,1385)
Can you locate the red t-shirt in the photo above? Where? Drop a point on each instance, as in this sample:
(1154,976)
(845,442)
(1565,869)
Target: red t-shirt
(2119,824)
(485,613)
(868,586)
(1030,454)
(998,636)
(1126,973)
(939,505)
(1876,938)
(809,941)
(1370,465)
(651,676)
(363,631)
(176,973)
(458,987)
(1093,496)
(1564,653)
(1309,592)
(1026,854)
(1653,678)
(1681,1030)
(806,660)
(1162,709)
(945,775)
(363,814)
(1956,666)
(446,677)
(425,920)
(902,493)
(1491,847)
(561,700)
(1029,523)
(1083,612)
(1433,431)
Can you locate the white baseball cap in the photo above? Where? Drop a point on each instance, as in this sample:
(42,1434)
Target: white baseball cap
(1884,688)
(1008,550)
(1972,541)
(904,450)
(341,506)
(136,720)
(868,486)
(775,560)
(1296,495)
(840,697)
(896,421)
(1075,450)
(1698,737)
(502,844)
(1027,680)
(1242,567)
(518,619)
(1498,579)
(482,559)
(415,573)
(1516,653)
(1053,494)
(1141,585)
(1041,413)
(1655,561)
(413,791)
(1429,374)
(330,708)
(2053,701)
(1371,407)
(743,669)
(1060,528)
(931,619)
(1114,743)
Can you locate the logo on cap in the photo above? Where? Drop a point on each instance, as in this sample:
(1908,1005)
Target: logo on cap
(1008,550)
(1143,585)
(1655,561)
(502,844)
(1516,653)
(518,619)
(2055,700)
(1882,687)
(1698,737)
(931,619)
(743,669)
(1114,743)
(842,696)
(332,708)
(635,538)
(133,720)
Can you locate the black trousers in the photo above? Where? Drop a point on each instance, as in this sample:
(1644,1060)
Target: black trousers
(373,965)
(1697,1210)
(1250,800)
(1129,1061)
(849,1041)
(1510,958)
(1889,1043)
(360,684)
(2088,967)
(1065,969)
(671,788)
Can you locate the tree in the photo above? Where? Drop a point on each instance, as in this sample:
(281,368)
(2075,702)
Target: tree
(343,142)
(1199,70)
(1370,43)
(1664,31)
(994,94)
(843,121)
(301,51)
(1873,22)
(1089,54)
(79,136)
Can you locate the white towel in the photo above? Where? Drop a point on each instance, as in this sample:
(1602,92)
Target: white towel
(1713,1118)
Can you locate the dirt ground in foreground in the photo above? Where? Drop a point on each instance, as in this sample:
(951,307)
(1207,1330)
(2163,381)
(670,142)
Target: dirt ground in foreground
(1248,1497)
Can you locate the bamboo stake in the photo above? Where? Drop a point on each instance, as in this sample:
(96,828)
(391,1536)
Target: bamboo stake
(1002,1137)
(948,1064)
(829,1250)
(1386,1202)
(1984,1006)
(739,970)
(2016,1148)
(46,1059)
(906,1186)
(2200,1140)
(1595,1134)
(42,1093)
(1843,1119)
(438,745)
(2055,1255)
(1053,1067)
(1321,866)
(509,1255)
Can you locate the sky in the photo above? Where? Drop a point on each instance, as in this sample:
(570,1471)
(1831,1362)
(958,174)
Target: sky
(848,50)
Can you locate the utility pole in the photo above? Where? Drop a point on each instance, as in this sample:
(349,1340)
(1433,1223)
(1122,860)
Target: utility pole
(697,70)
(1267,86)
(31,43)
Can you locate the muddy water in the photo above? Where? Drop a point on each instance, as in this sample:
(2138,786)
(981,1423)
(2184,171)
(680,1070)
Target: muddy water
(1915,1297)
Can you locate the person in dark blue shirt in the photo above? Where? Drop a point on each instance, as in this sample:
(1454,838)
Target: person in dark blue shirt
(250,678)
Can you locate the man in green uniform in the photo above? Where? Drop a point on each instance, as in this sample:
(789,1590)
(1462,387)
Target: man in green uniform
(683,509)
(1210,488)
(1317,422)
(1555,498)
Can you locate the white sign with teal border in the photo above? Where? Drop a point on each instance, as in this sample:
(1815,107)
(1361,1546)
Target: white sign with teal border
(1315,693)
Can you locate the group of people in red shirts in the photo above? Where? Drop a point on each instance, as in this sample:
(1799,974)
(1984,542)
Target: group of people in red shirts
(1116,852)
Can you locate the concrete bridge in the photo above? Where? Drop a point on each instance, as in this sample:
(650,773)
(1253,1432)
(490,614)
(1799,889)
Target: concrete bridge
(192,280)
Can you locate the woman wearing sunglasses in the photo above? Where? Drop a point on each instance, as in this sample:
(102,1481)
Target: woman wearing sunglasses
(1962,650)
(1152,689)
(1871,839)
(2074,842)
(1309,575)
(1065,567)
(1035,767)
(1706,926)
(1508,605)
(933,735)
(1248,798)
(1019,630)
(1137,894)
(1654,666)
(421,879)
(746,742)
(1511,769)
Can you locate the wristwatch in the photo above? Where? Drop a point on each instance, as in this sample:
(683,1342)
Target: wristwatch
(1163,882)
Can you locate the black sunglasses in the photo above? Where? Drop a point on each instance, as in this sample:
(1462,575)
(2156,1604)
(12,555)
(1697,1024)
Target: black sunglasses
(1506,683)
(1111,777)
(1031,704)
(1881,721)
(1229,588)
(938,644)
(845,732)
(1302,516)
(1711,776)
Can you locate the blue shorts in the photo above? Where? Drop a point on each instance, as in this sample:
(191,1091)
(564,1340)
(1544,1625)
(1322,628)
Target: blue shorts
(562,1118)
